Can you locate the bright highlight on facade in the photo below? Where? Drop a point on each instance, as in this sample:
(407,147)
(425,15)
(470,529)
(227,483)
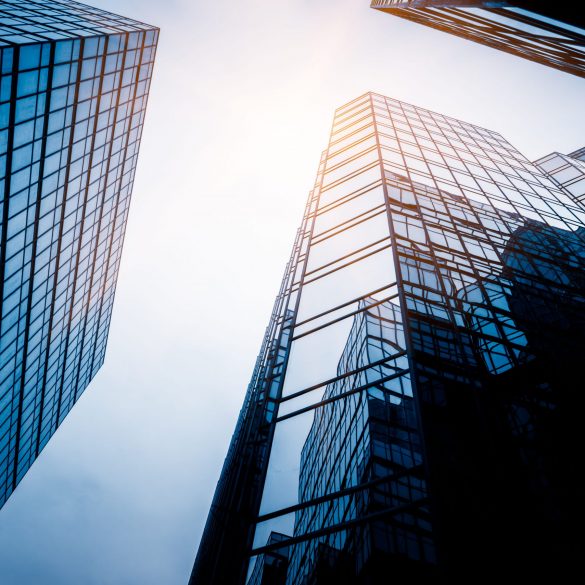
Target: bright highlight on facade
(415,407)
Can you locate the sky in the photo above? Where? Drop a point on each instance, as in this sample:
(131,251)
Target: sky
(241,105)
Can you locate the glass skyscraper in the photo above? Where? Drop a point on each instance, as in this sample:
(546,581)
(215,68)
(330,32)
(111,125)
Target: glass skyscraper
(73,91)
(548,32)
(416,404)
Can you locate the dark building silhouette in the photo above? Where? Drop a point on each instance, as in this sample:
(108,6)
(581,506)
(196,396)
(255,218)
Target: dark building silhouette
(73,91)
(550,33)
(415,407)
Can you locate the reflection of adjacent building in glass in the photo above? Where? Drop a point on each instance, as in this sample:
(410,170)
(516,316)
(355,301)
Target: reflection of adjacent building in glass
(366,438)
(540,290)
(495,356)
(508,334)
(271,567)
(415,408)
(550,33)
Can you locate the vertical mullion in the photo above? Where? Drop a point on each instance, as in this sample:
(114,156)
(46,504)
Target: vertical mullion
(33,259)
(60,241)
(82,225)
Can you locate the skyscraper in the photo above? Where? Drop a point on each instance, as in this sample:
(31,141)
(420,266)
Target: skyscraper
(415,405)
(73,92)
(550,33)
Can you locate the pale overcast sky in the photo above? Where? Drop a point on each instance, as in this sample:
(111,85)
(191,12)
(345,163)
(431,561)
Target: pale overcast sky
(241,104)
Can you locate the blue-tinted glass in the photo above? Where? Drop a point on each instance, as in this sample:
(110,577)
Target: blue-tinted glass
(23,133)
(30,57)
(115,43)
(27,83)
(43,78)
(7,60)
(134,40)
(88,68)
(4,115)
(58,98)
(61,75)
(21,157)
(418,392)
(25,108)
(63,51)
(67,149)
(90,47)
(5,87)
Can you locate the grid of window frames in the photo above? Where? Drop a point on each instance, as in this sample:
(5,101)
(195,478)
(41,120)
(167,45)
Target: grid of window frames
(37,21)
(554,36)
(567,171)
(579,154)
(412,367)
(71,115)
(351,443)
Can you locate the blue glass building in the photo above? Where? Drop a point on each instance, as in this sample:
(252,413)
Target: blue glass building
(73,92)
(416,406)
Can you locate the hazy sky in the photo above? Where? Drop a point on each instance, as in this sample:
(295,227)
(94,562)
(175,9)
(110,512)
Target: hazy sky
(241,105)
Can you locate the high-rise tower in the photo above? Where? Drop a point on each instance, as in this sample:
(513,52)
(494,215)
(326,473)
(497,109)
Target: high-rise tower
(415,407)
(73,91)
(547,32)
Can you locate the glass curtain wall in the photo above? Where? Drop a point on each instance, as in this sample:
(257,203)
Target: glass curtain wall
(72,106)
(407,398)
(549,33)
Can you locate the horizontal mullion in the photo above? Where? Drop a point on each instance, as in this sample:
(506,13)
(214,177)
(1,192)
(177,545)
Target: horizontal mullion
(372,133)
(349,263)
(340,526)
(378,290)
(349,197)
(347,315)
(351,175)
(346,256)
(338,494)
(379,209)
(342,376)
(351,392)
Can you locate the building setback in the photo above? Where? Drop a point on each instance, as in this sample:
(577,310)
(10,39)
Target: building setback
(550,33)
(415,406)
(567,171)
(73,91)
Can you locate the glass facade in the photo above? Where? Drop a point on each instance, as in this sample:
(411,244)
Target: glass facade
(567,171)
(73,90)
(550,33)
(579,154)
(415,405)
